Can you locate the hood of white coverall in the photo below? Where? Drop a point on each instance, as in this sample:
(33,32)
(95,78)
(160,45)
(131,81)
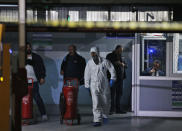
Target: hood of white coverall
(95,49)
(96,59)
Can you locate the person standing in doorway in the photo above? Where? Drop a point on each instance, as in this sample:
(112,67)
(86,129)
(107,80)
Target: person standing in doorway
(120,66)
(73,65)
(36,71)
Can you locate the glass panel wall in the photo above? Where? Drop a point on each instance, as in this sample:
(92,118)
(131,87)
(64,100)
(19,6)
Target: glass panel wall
(153,56)
(177,53)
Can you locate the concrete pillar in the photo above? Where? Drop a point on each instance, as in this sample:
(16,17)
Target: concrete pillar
(22,33)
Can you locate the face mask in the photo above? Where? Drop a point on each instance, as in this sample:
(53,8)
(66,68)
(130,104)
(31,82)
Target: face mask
(95,59)
(29,52)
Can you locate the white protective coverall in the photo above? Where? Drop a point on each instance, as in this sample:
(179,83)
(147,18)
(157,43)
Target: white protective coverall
(96,79)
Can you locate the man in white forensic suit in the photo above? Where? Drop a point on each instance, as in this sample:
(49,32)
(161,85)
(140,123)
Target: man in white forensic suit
(97,83)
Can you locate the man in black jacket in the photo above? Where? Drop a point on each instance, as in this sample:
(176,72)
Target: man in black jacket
(37,72)
(120,67)
(73,65)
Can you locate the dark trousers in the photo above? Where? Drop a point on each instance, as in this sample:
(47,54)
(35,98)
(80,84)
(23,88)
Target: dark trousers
(38,99)
(116,93)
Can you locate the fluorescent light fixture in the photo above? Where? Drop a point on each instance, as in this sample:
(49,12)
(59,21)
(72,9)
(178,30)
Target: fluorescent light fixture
(7,5)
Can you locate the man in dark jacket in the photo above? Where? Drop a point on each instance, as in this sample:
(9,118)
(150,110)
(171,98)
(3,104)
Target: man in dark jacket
(37,72)
(120,67)
(73,65)
(154,70)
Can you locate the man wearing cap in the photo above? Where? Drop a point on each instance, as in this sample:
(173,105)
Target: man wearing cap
(96,81)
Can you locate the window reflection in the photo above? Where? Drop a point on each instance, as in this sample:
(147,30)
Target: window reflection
(153,56)
(74,15)
(97,16)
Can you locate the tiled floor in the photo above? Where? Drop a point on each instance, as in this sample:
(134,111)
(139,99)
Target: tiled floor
(116,123)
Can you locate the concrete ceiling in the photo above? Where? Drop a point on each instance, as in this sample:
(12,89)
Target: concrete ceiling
(99,1)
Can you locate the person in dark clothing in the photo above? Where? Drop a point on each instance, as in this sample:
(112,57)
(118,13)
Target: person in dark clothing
(37,72)
(73,65)
(120,66)
(154,70)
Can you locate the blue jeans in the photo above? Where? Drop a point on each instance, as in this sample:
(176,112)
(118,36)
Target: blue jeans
(38,99)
